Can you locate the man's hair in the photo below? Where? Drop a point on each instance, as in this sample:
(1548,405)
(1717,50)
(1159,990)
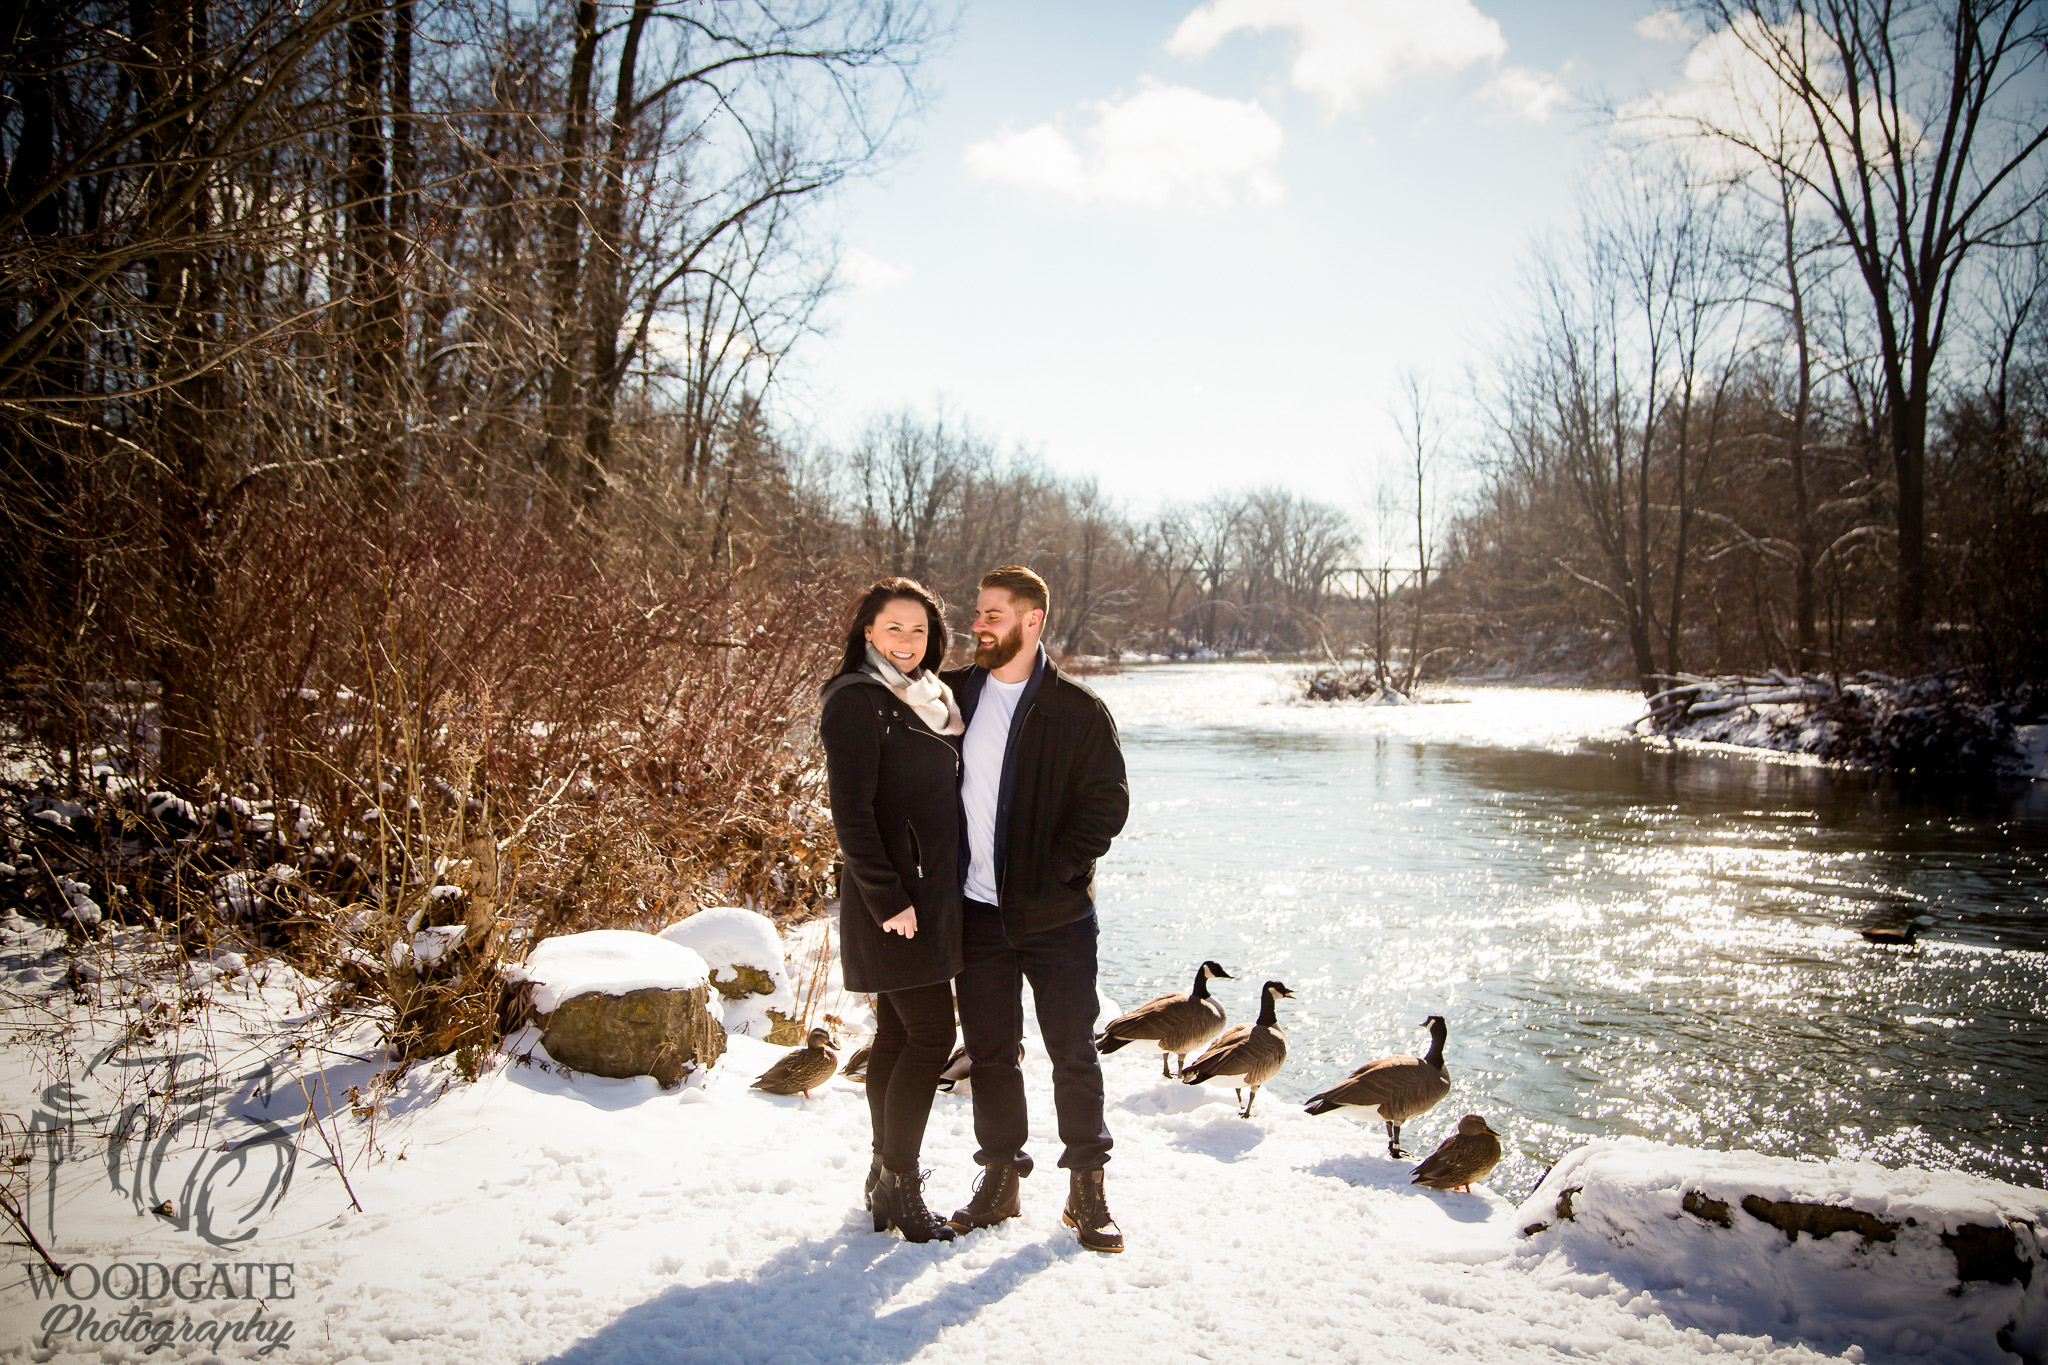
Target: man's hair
(1022,584)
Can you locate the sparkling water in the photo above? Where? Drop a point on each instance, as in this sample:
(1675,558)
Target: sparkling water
(1625,939)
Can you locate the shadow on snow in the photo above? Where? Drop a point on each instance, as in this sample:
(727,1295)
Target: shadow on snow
(824,1299)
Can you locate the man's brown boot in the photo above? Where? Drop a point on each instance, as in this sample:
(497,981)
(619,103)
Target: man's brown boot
(996,1198)
(1087,1212)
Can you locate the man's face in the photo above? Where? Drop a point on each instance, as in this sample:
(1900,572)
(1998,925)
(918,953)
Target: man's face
(999,626)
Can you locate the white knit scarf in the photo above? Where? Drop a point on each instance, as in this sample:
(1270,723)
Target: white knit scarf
(924,694)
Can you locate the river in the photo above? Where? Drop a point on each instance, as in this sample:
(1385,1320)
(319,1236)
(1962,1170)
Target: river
(1625,939)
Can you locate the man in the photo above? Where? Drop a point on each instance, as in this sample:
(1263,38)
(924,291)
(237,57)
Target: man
(1043,790)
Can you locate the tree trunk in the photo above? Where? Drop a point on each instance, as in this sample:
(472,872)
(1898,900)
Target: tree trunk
(178,293)
(374,319)
(45,578)
(565,253)
(606,270)
(1909,455)
(1422,549)
(404,168)
(1804,533)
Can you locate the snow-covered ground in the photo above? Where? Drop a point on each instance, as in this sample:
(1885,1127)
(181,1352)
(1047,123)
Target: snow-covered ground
(533,1215)
(1269,697)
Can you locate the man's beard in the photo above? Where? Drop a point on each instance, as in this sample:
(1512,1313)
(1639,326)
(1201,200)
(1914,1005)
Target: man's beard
(1002,651)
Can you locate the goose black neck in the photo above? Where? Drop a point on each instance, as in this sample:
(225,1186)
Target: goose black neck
(1436,1044)
(1267,1005)
(1201,990)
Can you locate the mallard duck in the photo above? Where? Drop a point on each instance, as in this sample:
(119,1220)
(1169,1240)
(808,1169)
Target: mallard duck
(856,1068)
(1467,1155)
(1394,1089)
(1251,1051)
(1179,1024)
(1902,937)
(802,1069)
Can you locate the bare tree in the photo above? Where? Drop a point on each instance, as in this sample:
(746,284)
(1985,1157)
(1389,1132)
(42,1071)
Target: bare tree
(1919,129)
(1422,436)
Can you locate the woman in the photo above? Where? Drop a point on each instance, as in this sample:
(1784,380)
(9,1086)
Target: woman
(892,767)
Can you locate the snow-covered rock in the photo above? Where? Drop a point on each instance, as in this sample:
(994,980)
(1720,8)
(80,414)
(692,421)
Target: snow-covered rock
(608,962)
(744,952)
(1904,1264)
(614,1002)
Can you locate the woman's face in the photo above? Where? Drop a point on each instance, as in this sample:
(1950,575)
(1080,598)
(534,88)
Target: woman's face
(901,632)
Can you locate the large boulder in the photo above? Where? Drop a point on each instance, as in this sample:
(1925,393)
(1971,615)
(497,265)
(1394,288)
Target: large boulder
(615,1002)
(744,951)
(1907,1264)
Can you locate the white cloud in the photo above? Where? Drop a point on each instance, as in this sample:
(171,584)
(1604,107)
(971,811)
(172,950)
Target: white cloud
(1523,93)
(1665,26)
(864,270)
(1733,108)
(1164,147)
(1348,49)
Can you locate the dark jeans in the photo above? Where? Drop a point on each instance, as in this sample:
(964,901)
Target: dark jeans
(1060,965)
(913,1039)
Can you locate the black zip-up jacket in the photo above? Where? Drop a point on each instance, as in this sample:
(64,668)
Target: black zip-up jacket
(1062,798)
(894,785)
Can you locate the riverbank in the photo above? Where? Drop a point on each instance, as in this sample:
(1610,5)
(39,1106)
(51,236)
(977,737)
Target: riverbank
(1931,727)
(537,1215)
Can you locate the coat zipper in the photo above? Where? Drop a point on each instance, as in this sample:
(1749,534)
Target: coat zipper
(916,849)
(1004,884)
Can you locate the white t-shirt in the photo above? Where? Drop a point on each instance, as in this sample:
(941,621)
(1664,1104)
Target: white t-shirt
(988,737)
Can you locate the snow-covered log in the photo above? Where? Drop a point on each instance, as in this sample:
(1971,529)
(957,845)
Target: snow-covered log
(1907,1264)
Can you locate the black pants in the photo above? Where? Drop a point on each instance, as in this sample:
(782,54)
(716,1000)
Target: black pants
(1060,965)
(913,1039)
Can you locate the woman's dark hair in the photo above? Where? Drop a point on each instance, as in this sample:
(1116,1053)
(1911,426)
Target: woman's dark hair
(885,591)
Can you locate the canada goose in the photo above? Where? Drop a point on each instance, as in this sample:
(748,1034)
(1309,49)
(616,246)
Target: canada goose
(957,1076)
(1179,1024)
(1252,1051)
(802,1069)
(1467,1155)
(1394,1089)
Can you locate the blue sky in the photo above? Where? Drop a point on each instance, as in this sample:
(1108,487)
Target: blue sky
(1190,246)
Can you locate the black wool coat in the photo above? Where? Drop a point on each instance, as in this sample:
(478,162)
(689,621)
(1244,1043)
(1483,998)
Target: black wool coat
(1063,797)
(894,785)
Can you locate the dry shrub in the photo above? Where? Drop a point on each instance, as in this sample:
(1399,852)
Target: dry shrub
(439,735)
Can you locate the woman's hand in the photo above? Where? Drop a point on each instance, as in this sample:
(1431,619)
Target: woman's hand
(904,924)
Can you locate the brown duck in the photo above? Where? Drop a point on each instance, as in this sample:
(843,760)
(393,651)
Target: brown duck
(1179,1024)
(1467,1155)
(1252,1052)
(1394,1089)
(802,1069)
